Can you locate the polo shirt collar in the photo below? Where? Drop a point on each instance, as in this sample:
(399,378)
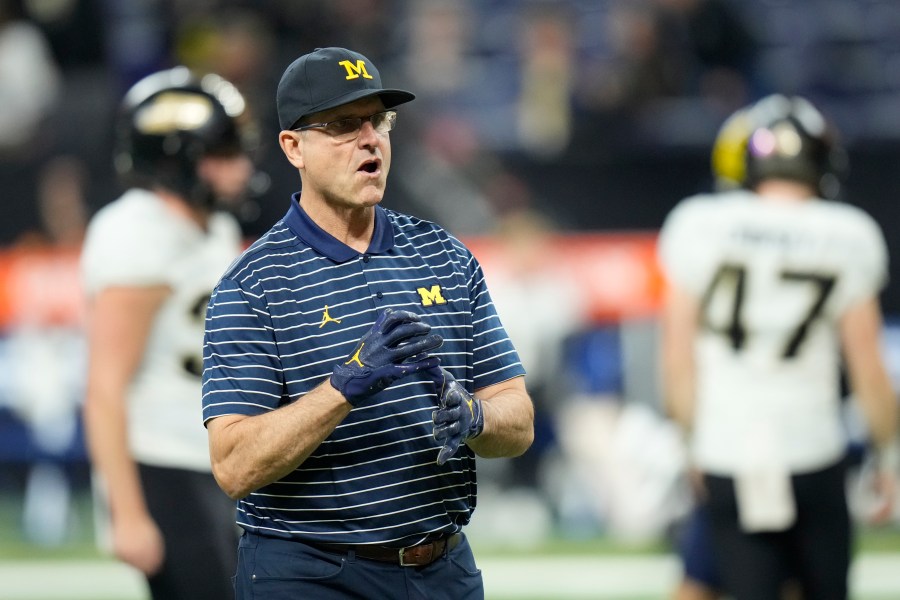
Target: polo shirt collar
(326,244)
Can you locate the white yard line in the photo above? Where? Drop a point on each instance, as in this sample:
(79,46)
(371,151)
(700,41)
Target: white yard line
(70,580)
(579,577)
(876,576)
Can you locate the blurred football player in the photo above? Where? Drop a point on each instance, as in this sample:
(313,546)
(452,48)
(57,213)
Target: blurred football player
(771,285)
(150,261)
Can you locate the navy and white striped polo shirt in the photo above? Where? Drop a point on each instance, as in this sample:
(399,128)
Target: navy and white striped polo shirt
(296,303)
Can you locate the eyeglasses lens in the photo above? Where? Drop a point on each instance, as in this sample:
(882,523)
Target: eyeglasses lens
(348,129)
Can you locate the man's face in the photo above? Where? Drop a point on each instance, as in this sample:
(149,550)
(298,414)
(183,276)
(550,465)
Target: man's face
(227,176)
(348,173)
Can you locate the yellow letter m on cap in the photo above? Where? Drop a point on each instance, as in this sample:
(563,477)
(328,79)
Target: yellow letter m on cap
(432,296)
(354,71)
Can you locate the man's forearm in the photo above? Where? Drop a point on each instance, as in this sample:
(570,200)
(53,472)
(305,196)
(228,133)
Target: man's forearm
(105,422)
(679,330)
(251,452)
(879,405)
(508,425)
(679,397)
(861,337)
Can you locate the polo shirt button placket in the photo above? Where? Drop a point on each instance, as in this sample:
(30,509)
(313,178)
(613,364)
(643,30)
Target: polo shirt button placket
(365,258)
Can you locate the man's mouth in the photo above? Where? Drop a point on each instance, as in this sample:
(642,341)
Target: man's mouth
(370,166)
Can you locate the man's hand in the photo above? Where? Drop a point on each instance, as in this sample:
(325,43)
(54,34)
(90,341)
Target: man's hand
(884,484)
(883,494)
(459,416)
(395,346)
(138,542)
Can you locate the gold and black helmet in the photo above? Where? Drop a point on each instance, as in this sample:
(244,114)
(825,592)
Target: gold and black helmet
(171,119)
(779,137)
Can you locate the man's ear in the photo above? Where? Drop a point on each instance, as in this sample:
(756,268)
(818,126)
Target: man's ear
(291,143)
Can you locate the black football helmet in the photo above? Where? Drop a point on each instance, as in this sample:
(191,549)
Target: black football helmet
(171,119)
(779,137)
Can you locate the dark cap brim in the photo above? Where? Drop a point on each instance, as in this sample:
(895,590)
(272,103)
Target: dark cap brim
(390,99)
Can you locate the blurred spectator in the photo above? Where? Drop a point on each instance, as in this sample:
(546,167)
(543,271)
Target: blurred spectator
(619,469)
(541,307)
(75,30)
(239,44)
(139,40)
(29,88)
(307,24)
(46,362)
(444,165)
(367,25)
(29,82)
(548,71)
(645,63)
(50,338)
(438,55)
(722,51)
(62,206)
(463,60)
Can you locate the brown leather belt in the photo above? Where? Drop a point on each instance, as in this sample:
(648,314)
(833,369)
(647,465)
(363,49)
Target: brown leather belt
(411,556)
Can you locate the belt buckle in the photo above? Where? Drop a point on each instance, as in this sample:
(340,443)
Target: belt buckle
(417,552)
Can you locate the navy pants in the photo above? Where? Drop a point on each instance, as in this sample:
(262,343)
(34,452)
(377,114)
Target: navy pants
(276,569)
(696,551)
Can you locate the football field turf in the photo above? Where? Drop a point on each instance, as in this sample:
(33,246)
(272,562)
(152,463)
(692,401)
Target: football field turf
(514,576)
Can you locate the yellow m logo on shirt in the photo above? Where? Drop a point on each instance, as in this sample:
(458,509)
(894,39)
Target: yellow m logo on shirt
(354,71)
(432,296)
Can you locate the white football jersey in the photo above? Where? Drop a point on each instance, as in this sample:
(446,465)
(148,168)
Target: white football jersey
(774,278)
(136,241)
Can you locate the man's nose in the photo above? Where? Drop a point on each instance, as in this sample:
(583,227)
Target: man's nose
(367,134)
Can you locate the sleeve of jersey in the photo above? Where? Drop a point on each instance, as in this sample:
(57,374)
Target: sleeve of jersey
(123,254)
(241,369)
(680,247)
(495,359)
(867,270)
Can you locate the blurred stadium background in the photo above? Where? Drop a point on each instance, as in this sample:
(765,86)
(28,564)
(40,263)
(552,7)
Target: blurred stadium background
(554,135)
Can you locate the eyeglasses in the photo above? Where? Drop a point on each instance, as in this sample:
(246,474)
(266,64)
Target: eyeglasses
(345,130)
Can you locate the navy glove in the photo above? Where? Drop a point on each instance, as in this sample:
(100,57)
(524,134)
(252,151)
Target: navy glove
(459,416)
(395,346)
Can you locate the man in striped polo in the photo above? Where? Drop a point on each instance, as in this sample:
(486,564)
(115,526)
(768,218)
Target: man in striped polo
(354,365)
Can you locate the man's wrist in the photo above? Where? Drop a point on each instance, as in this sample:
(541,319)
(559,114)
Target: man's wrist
(888,457)
(344,379)
(477,426)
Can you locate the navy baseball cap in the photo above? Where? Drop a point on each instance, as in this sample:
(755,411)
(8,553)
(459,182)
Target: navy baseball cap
(329,77)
